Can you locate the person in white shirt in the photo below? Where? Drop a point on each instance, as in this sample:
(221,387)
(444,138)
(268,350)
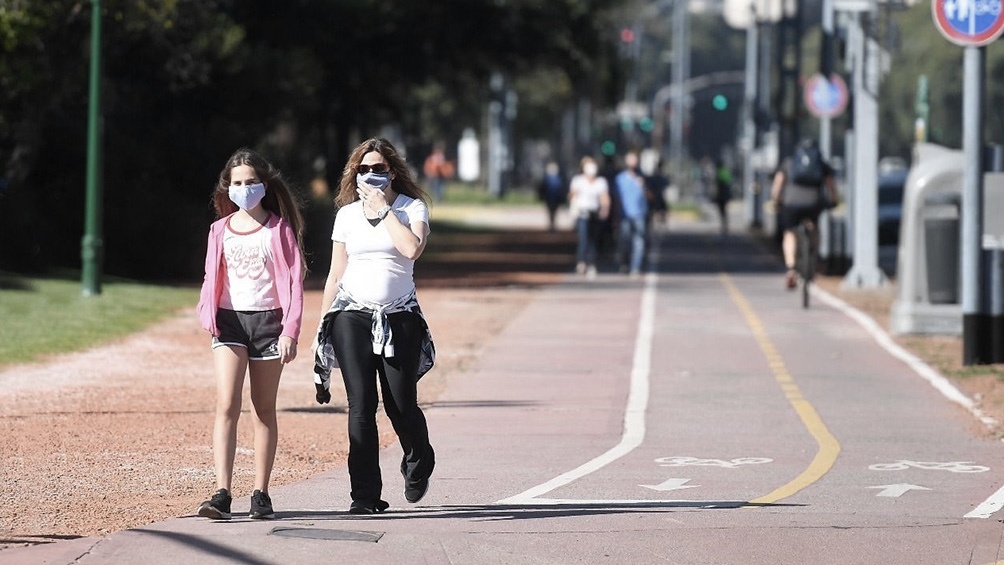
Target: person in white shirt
(371,324)
(589,198)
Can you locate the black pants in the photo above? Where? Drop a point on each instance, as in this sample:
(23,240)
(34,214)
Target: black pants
(361,369)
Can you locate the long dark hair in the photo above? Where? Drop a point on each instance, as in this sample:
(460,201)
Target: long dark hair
(279,198)
(403,183)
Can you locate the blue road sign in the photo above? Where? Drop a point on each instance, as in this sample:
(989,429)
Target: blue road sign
(825,98)
(969,23)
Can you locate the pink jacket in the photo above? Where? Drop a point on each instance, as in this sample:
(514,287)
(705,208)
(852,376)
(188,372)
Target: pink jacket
(288,276)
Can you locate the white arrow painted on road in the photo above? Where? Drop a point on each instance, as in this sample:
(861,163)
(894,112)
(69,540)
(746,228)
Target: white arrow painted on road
(671,484)
(897,490)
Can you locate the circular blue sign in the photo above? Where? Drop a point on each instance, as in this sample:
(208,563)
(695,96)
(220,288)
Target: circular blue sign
(969,23)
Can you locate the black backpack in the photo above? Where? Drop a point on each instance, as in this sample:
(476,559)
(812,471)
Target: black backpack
(807,166)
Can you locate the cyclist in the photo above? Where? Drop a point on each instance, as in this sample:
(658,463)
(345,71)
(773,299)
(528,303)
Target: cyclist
(803,187)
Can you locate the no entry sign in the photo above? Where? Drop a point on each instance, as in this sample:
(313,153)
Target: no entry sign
(825,98)
(969,23)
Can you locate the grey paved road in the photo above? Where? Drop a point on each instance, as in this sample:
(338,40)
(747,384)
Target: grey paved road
(697,415)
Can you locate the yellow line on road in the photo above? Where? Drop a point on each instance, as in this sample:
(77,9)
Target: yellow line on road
(829,447)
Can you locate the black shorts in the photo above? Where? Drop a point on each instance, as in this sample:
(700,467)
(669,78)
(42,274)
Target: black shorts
(791,216)
(258,332)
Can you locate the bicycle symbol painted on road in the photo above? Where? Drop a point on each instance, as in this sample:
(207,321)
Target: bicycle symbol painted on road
(694,461)
(952,466)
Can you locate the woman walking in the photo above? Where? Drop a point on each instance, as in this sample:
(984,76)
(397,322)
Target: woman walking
(590,203)
(372,326)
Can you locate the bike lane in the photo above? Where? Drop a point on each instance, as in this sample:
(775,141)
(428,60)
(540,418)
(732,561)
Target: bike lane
(782,435)
(661,420)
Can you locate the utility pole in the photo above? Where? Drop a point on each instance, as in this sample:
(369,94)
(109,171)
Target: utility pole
(92,245)
(974,326)
(681,73)
(865,272)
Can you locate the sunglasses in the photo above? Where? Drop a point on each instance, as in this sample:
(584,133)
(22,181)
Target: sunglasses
(378,168)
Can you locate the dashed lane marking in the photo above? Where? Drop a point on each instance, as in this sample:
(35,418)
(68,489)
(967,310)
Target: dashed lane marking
(829,447)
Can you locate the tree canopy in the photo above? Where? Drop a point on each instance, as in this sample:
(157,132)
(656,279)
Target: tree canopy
(188,81)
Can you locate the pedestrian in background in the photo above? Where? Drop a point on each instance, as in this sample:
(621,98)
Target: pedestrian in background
(251,303)
(589,197)
(372,326)
(723,193)
(656,183)
(552,192)
(437,169)
(633,198)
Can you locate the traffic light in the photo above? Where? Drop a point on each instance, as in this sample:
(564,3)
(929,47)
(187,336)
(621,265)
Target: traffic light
(720,102)
(608,148)
(627,35)
(646,124)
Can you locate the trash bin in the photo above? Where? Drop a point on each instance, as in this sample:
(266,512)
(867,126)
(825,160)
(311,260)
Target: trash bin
(941,245)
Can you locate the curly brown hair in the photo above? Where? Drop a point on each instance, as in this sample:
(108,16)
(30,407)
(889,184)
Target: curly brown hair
(403,183)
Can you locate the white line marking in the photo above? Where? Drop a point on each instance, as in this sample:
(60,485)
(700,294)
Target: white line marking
(898,490)
(940,383)
(671,484)
(986,508)
(634,414)
(943,385)
(732,464)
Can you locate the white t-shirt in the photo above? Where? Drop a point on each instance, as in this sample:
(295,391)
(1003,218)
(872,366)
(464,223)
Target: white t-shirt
(586,195)
(376,271)
(249,284)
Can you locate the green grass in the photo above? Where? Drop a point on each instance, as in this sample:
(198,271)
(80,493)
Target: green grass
(462,193)
(40,316)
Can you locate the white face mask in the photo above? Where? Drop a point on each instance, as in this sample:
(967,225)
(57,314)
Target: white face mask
(590,170)
(247,196)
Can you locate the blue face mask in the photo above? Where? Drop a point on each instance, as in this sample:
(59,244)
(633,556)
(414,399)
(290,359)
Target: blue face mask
(247,196)
(376,180)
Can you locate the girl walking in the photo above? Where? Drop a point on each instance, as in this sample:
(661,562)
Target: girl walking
(251,303)
(372,326)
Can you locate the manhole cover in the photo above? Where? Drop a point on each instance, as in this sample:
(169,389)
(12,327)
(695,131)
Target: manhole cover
(325,534)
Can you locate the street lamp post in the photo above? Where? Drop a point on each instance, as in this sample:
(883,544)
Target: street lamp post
(92,245)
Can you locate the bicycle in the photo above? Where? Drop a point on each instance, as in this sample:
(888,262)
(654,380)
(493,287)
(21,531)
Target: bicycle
(806,255)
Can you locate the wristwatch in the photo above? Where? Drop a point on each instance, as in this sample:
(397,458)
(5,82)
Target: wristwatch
(382,212)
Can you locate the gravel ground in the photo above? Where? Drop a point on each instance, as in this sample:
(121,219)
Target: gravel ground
(121,435)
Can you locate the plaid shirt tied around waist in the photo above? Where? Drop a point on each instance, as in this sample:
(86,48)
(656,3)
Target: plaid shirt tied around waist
(383,335)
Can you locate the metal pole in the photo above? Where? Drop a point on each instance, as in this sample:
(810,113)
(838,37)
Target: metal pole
(92,245)
(681,66)
(826,64)
(865,272)
(749,123)
(764,111)
(972,204)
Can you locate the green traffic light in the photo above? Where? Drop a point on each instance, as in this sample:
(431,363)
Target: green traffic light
(646,125)
(608,148)
(719,102)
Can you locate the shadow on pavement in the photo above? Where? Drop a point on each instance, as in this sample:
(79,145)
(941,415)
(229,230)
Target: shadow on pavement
(208,549)
(531,511)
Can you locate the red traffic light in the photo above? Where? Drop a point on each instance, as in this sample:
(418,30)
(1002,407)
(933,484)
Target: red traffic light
(627,35)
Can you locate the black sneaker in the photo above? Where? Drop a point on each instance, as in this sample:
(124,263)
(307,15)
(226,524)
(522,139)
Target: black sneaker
(261,506)
(217,507)
(367,507)
(415,490)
